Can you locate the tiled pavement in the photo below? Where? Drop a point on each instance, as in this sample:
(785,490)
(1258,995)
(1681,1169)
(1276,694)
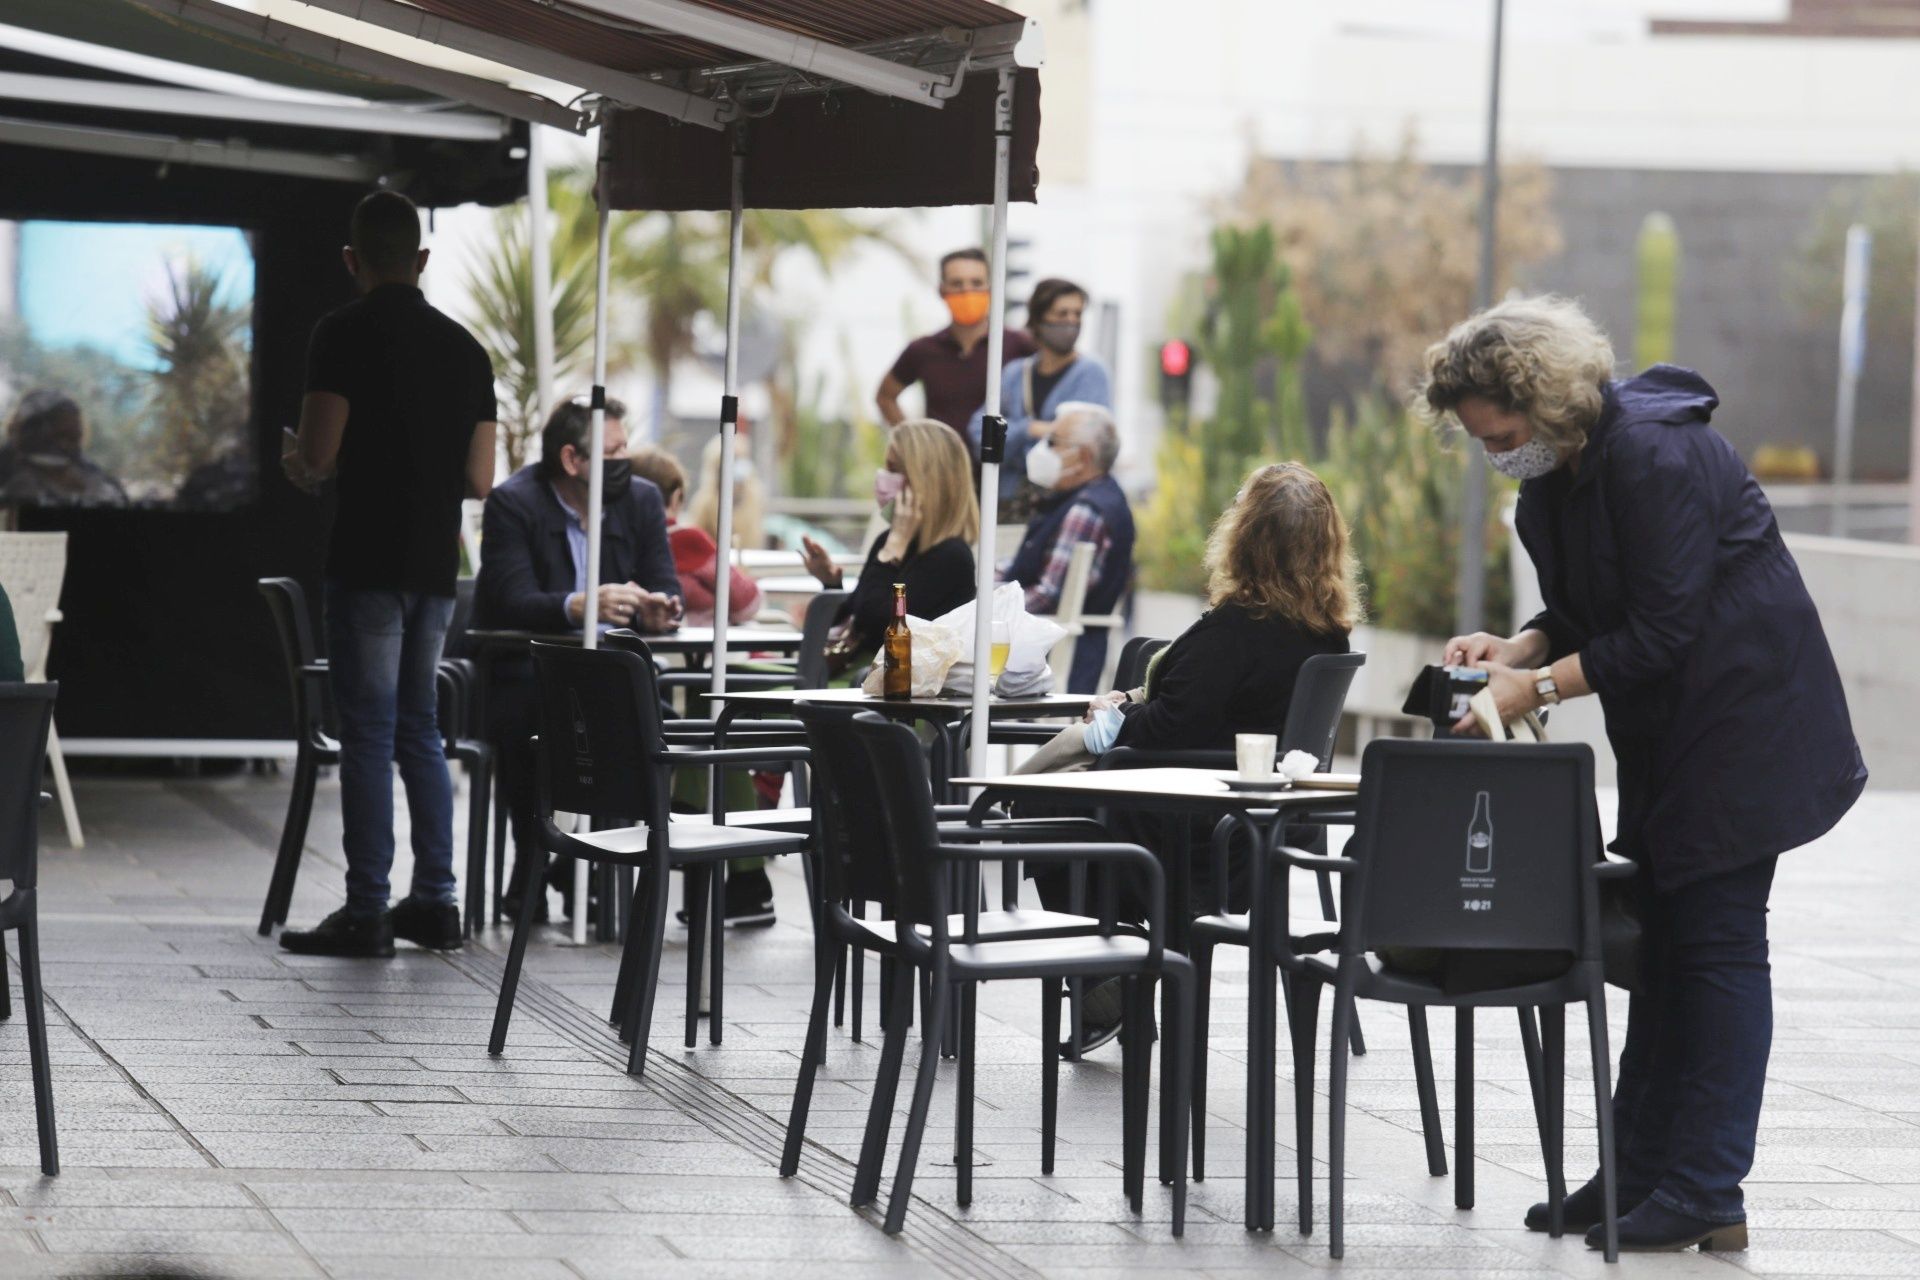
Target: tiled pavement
(227,1110)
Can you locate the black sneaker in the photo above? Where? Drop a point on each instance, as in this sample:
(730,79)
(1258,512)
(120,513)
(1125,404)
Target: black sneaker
(343,935)
(433,925)
(748,900)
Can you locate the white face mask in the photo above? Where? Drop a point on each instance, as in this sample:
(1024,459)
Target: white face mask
(1529,461)
(1043,465)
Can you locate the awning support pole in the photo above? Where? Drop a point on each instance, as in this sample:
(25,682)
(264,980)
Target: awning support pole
(993,430)
(596,483)
(729,417)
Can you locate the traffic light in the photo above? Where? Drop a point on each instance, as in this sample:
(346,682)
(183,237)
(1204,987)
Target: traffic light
(1176,374)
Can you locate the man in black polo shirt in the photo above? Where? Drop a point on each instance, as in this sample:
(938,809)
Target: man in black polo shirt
(953,362)
(399,405)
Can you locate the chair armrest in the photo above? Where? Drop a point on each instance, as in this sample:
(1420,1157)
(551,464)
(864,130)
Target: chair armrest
(741,755)
(1024,731)
(1023,829)
(1310,861)
(318,667)
(742,726)
(1614,867)
(1135,856)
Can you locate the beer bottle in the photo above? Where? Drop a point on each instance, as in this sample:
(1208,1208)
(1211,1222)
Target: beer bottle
(896,678)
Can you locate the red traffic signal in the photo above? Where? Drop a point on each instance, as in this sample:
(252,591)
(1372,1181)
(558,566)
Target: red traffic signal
(1176,358)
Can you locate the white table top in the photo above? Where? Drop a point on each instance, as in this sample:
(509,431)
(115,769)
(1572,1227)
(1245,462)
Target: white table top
(685,640)
(1207,786)
(1055,704)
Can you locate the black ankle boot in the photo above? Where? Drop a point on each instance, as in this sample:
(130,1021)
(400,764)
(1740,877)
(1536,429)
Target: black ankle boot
(1583,1208)
(1654,1228)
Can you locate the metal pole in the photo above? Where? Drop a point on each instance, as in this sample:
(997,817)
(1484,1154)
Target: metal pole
(729,416)
(1853,351)
(1471,594)
(540,264)
(1913,463)
(596,488)
(993,429)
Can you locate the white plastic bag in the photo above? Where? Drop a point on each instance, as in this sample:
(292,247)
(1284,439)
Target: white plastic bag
(1030,641)
(936,647)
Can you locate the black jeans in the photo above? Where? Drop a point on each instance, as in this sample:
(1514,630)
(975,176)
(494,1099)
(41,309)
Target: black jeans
(1686,1106)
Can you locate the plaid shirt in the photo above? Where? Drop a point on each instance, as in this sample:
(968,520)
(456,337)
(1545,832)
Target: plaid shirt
(1083,524)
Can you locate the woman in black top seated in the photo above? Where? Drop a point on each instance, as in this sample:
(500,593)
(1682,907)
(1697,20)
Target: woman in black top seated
(1281,586)
(926,492)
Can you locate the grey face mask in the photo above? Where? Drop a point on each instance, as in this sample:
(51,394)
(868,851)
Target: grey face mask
(1530,461)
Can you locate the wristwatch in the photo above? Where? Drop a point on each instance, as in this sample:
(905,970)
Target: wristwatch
(1544,686)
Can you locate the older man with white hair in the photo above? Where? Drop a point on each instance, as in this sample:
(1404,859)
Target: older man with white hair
(1082,504)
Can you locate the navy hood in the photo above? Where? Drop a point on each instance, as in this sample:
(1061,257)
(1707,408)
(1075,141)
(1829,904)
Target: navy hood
(1664,393)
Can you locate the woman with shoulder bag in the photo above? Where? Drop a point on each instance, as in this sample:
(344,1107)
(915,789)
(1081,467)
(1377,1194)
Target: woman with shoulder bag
(1670,594)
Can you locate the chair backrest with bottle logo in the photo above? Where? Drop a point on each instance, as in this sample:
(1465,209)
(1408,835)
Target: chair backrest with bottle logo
(1474,846)
(851,847)
(895,789)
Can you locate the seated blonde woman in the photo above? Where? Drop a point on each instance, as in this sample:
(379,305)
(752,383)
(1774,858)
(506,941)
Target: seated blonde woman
(1281,589)
(925,492)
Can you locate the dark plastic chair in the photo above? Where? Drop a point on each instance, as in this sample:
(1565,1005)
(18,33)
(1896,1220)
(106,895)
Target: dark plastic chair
(316,744)
(603,752)
(894,786)
(26,713)
(1462,847)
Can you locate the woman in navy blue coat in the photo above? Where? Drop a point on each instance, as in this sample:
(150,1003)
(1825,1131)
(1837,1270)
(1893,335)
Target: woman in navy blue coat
(1670,594)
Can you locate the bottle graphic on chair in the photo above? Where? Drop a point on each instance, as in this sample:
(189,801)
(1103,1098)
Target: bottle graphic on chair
(1480,836)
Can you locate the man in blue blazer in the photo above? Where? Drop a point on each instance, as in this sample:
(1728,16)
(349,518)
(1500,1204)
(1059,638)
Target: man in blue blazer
(533,577)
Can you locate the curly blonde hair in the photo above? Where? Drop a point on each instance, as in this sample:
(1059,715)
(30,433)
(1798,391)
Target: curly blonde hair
(1542,356)
(1281,549)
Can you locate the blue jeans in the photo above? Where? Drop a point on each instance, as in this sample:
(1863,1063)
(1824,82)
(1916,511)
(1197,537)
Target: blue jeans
(1686,1106)
(383,654)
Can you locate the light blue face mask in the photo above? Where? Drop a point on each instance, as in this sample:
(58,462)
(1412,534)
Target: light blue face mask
(1102,730)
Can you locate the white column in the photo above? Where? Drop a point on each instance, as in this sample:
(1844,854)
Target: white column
(540,263)
(994,429)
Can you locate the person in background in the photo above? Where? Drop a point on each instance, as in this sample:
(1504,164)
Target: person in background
(1032,389)
(695,554)
(43,462)
(1079,502)
(399,404)
(926,494)
(749,495)
(1670,594)
(533,577)
(952,363)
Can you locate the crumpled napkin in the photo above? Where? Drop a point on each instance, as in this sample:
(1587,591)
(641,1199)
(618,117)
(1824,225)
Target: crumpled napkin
(1296,765)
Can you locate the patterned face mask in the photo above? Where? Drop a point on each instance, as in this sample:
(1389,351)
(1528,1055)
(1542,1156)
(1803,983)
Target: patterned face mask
(1530,461)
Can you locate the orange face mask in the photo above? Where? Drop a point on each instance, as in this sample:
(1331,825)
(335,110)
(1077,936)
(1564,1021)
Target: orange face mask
(969,307)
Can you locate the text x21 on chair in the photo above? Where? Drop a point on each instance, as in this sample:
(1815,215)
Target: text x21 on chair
(26,715)
(603,753)
(895,786)
(1464,847)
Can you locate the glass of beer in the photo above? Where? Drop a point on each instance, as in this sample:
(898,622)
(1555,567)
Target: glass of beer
(1002,644)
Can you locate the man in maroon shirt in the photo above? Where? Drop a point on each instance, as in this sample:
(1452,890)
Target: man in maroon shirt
(953,362)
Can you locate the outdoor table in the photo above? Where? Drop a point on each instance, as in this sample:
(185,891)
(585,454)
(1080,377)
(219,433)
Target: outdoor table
(947,714)
(1264,816)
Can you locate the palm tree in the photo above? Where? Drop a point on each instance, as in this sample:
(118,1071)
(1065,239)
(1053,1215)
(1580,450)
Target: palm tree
(673,265)
(200,391)
(501,287)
